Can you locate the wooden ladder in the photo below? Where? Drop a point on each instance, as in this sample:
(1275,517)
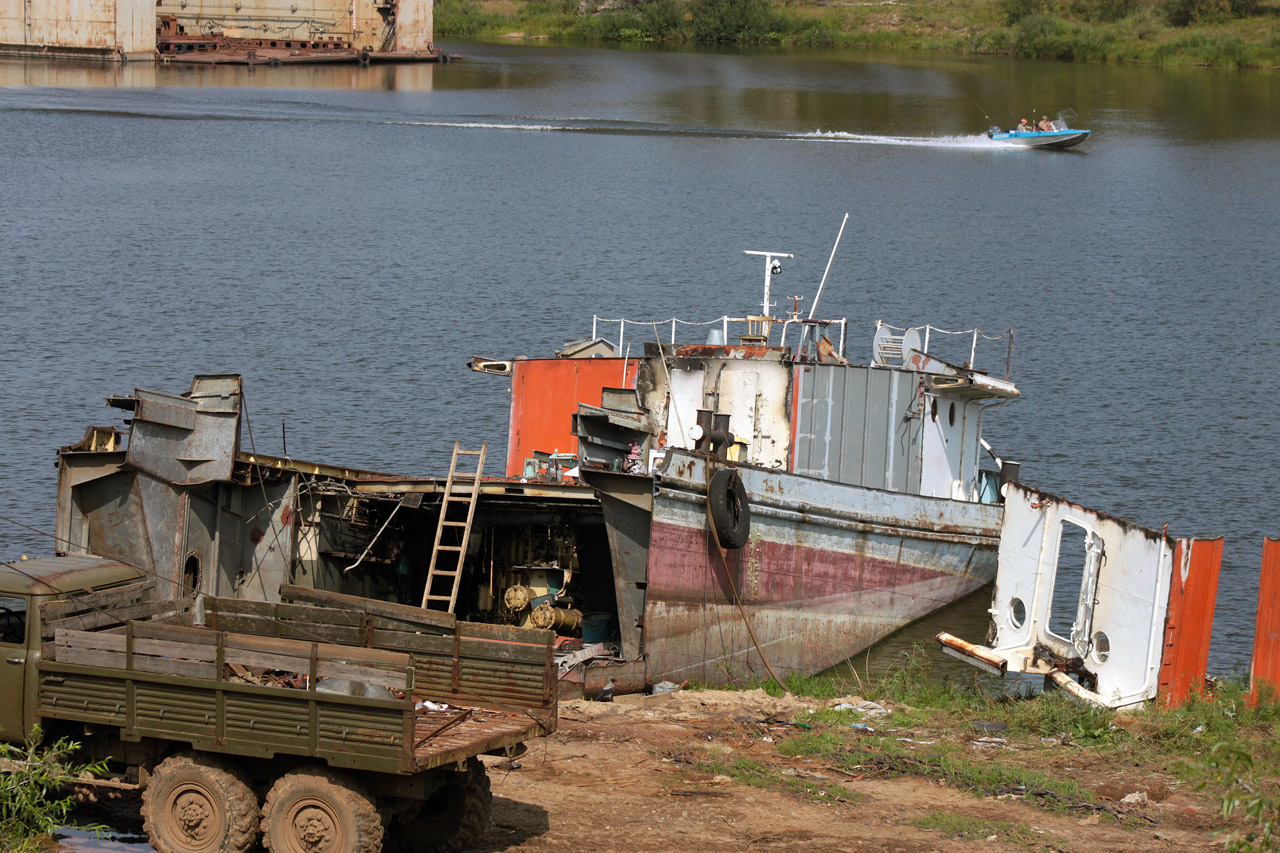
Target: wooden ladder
(443,577)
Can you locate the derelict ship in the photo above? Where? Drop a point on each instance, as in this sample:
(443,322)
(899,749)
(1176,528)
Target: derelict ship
(846,500)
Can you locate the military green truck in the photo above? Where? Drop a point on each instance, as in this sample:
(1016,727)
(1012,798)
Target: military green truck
(323,723)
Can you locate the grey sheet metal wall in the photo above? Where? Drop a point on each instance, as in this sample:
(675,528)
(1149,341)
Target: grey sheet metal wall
(857,425)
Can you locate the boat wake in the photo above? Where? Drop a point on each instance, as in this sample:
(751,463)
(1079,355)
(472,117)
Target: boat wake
(638,129)
(272,110)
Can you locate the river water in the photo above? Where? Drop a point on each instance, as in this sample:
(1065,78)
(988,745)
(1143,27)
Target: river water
(346,238)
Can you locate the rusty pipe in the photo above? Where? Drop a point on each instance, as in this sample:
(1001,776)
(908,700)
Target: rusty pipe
(971,653)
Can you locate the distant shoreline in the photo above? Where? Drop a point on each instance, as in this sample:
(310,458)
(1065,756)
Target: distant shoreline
(1242,34)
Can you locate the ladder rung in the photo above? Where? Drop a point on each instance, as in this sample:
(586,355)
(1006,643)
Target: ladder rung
(469,452)
(448,547)
(444,572)
(439,597)
(454,523)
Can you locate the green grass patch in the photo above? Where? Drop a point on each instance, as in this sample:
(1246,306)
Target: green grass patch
(760,775)
(959,768)
(1222,743)
(952,825)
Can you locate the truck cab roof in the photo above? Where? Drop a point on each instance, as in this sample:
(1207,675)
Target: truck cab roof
(57,575)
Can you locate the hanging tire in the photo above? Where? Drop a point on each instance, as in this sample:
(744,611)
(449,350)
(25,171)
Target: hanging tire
(730,512)
(196,803)
(452,819)
(318,811)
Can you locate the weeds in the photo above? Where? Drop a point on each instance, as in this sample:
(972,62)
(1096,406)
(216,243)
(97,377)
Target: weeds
(1232,767)
(33,800)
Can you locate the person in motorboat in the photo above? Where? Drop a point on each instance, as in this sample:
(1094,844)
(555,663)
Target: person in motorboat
(1044,124)
(1024,126)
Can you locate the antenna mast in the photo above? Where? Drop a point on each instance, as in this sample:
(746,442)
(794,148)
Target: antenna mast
(771,266)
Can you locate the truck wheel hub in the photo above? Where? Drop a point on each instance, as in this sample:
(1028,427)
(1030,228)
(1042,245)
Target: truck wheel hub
(194,815)
(314,828)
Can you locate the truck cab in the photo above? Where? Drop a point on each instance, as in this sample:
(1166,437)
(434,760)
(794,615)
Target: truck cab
(24,586)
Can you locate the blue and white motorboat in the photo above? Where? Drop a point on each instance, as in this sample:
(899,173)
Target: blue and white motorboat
(1061,136)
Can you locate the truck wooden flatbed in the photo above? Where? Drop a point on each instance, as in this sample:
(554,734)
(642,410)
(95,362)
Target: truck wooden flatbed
(358,718)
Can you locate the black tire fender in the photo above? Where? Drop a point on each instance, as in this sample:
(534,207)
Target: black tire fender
(730,512)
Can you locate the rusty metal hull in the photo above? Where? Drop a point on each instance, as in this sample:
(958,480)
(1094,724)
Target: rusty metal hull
(829,570)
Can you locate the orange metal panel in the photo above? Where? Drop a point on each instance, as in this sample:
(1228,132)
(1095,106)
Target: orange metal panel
(545,393)
(1266,632)
(1189,622)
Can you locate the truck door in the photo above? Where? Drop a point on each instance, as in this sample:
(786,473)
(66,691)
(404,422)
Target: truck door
(13,647)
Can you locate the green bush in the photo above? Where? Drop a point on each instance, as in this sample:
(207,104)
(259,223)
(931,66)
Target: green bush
(1103,11)
(730,21)
(1182,13)
(1041,35)
(661,19)
(33,797)
(462,18)
(1014,11)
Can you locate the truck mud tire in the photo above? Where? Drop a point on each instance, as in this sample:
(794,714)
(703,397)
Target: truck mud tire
(452,819)
(197,804)
(730,512)
(318,811)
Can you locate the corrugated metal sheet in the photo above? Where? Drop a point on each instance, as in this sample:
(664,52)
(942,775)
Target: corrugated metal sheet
(1193,591)
(852,426)
(1266,636)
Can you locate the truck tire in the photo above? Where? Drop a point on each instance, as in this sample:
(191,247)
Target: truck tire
(452,819)
(313,810)
(730,512)
(196,803)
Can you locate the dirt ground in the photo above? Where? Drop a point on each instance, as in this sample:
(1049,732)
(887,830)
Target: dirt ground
(618,777)
(623,776)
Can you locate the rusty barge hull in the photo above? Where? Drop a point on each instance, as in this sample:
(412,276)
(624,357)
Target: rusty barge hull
(829,570)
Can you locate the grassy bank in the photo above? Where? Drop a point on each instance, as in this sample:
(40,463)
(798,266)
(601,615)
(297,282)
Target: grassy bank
(1032,747)
(1222,33)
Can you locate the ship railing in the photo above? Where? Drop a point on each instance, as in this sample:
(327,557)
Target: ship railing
(890,347)
(754,325)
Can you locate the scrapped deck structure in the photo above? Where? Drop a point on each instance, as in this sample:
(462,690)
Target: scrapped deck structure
(1112,612)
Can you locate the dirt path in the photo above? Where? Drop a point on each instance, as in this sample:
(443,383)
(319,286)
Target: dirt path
(629,776)
(621,777)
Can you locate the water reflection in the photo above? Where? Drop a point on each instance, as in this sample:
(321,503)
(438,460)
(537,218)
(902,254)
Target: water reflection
(404,77)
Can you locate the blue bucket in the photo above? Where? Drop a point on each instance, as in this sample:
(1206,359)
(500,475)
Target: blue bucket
(595,627)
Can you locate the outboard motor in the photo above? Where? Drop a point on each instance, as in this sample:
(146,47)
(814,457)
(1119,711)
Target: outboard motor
(992,131)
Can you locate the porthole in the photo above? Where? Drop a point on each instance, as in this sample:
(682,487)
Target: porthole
(1101,647)
(1017,613)
(933,408)
(951,415)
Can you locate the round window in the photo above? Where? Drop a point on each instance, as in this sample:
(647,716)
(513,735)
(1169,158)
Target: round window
(951,415)
(1101,647)
(1017,613)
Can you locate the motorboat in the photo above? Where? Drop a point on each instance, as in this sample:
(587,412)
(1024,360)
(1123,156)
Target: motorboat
(1061,136)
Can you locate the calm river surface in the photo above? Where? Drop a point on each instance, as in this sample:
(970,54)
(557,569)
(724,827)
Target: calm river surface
(346,238)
